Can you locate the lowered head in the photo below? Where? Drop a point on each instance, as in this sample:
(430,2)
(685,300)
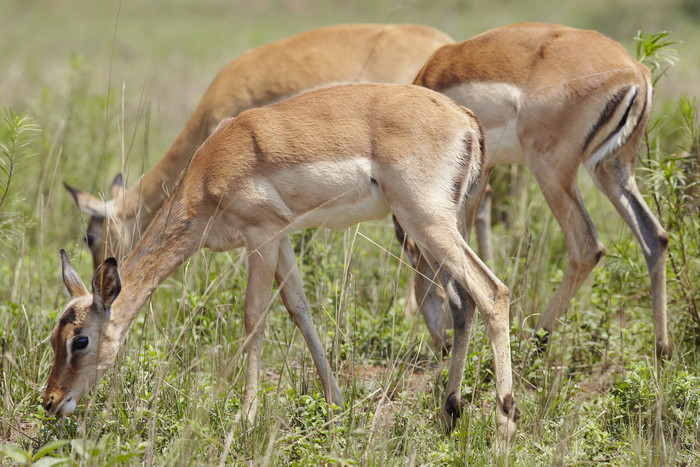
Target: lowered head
(85,341)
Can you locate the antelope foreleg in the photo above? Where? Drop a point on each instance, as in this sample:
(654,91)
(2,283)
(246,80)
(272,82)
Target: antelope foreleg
(483,226)
(294,298)
(261,269)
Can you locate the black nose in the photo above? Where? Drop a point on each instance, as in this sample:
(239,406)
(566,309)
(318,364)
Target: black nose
(49,404)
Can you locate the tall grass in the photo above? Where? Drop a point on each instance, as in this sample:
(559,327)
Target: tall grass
(175,390)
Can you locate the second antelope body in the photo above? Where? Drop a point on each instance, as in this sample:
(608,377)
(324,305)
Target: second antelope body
(555,98)
(333,158)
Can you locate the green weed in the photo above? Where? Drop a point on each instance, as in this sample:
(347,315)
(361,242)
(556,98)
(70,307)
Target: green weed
(109,94)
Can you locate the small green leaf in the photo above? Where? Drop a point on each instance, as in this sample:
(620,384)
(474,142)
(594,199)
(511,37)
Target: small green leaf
(49,447)
(51,461)
(15,453)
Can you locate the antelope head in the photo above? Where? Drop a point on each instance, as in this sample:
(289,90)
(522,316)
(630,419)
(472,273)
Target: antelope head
(85,341)
(109,233)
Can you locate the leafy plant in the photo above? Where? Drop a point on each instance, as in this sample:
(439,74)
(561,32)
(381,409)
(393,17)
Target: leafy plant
(655,52)
(45,456)
(175,393)
(17,138)
(674,179)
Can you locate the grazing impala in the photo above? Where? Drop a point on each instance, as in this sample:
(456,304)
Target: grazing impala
(554,98)
(334,54)
(331,157)
(343,53)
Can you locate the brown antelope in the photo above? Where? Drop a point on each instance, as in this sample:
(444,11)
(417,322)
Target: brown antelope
(554,97)
(332,157)
(343,53)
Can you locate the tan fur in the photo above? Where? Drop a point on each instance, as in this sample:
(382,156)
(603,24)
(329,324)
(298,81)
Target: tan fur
(333,54)
(553,97)
(397,148)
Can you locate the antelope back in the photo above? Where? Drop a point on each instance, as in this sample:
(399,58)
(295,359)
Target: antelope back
(269,73)
(537,86)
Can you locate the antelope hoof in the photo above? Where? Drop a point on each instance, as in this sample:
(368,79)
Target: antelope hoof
(451,411)
(246,415)
(541,340)
(446,347)
(664,351)
(507,419)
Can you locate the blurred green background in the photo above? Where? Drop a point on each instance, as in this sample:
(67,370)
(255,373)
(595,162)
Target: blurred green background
(111,84)
(160,55)
(146,44)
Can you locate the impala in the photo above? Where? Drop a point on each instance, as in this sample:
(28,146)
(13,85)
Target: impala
(272,72)
(554,97)
(333,157)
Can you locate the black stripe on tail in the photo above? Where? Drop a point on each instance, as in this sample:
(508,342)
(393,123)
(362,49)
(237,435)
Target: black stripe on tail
(609,111)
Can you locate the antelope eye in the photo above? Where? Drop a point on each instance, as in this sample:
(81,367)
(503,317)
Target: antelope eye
(80,342)
(89,239)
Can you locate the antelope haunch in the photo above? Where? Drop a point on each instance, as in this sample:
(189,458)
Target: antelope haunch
(554,98)
(333,158)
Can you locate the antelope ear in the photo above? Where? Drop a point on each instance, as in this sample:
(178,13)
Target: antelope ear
(87,202)
(117,188)
(106,284)
(71,279)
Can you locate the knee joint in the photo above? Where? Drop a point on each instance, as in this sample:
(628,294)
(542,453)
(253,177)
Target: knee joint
(502,293)
(599,254)
(589,258)
(663,240)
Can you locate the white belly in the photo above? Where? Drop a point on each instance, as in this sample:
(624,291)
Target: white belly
(334,194)
(342,216)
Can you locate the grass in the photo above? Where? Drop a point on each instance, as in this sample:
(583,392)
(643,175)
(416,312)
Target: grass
(109,85)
